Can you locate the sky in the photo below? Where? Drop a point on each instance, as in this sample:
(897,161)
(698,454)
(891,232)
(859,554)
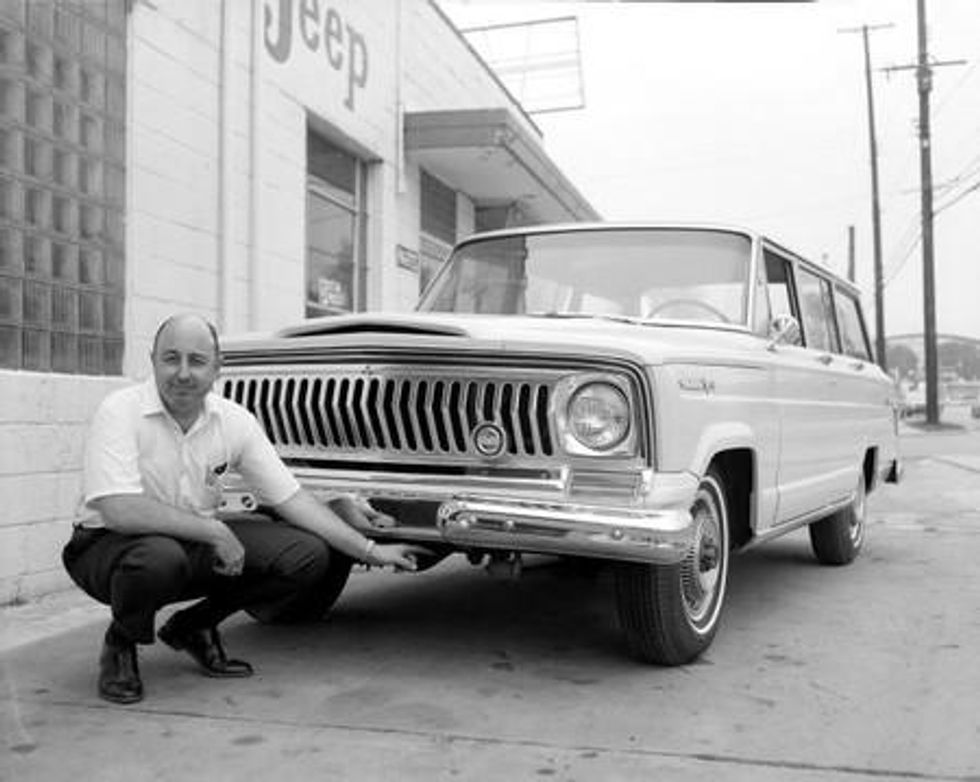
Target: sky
(755,114)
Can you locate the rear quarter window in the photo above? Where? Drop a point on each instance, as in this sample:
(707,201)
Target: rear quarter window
(853,336)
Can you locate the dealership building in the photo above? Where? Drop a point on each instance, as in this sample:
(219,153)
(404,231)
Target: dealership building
(256,161)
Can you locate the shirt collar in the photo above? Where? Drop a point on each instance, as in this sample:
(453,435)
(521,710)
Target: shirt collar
(152,404)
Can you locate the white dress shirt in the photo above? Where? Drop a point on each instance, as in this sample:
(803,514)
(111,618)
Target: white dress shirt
(134,446)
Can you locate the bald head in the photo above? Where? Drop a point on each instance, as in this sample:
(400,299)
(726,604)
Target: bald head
(186,321)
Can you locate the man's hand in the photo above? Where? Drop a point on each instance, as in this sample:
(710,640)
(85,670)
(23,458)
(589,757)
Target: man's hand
(360,514)
(229,552)
(376,518)
(401,556)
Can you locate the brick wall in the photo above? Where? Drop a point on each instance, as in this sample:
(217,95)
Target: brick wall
(42,432)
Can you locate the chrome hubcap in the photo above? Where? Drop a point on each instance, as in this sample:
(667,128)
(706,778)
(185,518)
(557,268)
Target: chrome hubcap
(859,510)
(701,571)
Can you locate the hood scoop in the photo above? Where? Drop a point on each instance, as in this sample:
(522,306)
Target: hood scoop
(333,325)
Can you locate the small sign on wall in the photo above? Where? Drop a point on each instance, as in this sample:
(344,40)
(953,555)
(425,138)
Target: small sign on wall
(407,258)
(331,293)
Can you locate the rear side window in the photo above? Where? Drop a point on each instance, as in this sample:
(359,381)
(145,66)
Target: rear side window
(853,335)
(816,306)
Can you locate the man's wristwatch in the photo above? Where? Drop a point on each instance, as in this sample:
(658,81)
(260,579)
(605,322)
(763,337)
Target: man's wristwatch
(369,552)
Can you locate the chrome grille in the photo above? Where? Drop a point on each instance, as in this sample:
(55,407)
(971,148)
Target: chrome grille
(395,410)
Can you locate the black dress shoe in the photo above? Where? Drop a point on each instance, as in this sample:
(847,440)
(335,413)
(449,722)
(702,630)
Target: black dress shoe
(119,673)
(204,645)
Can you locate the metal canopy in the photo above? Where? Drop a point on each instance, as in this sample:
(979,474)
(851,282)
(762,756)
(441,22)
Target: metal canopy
(489,156)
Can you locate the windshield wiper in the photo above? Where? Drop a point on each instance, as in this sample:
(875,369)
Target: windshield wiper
(594,316)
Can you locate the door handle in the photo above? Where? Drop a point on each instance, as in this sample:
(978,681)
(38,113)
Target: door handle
(825,358)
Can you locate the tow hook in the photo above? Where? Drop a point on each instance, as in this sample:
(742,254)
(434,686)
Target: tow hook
(505,565)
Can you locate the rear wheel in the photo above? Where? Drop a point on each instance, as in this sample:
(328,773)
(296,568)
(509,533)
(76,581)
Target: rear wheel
(312,604)
(837,539)
(670,613)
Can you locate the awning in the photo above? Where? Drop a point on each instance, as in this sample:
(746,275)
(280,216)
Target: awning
(492,158)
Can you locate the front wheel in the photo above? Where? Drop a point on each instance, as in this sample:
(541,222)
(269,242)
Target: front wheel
(837,539)
(670,613)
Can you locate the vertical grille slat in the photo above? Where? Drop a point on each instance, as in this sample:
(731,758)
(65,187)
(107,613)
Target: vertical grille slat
(348,437)
(422,413)
(358,394)
(506,407)
(267,405)
(394,421)
(374,413)
(456,412)
(472,404)
(406,405)
(303,412)
(533,434)
(439,404)
(289,406)
(327,406)
(543,396)
(317,413)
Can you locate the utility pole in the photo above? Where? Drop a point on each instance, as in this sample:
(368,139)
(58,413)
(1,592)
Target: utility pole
(875,202)
(923,73)
(850,253)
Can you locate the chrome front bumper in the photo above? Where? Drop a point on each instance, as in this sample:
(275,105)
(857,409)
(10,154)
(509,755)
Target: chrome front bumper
(661,536)
(497,515)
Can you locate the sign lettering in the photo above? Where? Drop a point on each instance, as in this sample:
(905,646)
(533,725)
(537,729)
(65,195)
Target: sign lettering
(343,46)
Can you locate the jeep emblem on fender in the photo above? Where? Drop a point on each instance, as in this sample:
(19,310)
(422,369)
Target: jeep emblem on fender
(489,439)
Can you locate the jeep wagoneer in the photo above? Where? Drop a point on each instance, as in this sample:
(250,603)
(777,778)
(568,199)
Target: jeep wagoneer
(655,396)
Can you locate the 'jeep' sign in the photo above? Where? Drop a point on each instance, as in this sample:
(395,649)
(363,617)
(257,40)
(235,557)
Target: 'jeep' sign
(322,29)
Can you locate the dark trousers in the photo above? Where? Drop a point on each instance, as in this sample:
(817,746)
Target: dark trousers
(139,574)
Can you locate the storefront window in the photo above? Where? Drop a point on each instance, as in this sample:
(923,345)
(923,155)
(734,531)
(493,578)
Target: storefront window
(438,222)
(432,256)
(61,267)
(334,225)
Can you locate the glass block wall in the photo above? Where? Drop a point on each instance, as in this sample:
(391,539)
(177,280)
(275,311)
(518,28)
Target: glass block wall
(62,185)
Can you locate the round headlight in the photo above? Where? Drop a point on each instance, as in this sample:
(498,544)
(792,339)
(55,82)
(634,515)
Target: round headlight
(598,416)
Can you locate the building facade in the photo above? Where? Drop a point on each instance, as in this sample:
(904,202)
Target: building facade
(256,161)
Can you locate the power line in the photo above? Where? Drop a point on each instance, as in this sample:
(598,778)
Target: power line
(942,104)
(959,197)
(899,265)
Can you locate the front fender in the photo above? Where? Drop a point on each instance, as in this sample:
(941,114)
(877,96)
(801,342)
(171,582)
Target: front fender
(719,437)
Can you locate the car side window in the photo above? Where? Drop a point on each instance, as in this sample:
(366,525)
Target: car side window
(816,305)
(853,335)
(779,285)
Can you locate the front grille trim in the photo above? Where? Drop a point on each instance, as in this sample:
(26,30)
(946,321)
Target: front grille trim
(385,412)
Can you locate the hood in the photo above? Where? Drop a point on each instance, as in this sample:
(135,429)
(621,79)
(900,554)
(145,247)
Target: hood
(642,342)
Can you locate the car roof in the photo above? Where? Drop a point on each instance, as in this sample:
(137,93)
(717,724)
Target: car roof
(547,228)
(592,227)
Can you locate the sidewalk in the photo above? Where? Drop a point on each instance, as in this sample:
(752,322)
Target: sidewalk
(47,616)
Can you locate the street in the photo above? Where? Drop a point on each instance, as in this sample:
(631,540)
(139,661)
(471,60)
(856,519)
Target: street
(857,673)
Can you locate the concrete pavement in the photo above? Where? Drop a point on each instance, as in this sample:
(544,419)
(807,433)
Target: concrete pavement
(866,672)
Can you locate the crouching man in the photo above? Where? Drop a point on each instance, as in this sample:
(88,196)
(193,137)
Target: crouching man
(149,535)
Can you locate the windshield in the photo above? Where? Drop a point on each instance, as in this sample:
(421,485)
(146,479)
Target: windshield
(690,275)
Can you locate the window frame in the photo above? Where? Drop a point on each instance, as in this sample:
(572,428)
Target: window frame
(841,293)
(354,204)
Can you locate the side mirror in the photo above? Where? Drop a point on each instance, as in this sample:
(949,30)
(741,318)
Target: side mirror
(784,330)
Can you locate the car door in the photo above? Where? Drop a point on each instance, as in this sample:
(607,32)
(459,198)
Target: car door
(865,390)
(815,454)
